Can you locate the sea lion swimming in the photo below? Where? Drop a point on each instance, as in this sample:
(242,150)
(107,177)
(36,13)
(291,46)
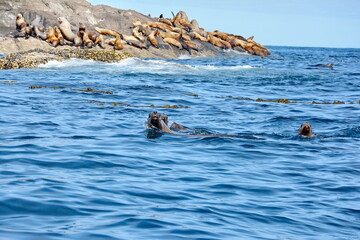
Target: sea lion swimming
(159,121)
(305,130)
(328,65)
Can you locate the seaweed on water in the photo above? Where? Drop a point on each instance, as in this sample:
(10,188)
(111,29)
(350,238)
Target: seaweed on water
(134,106)
(90,90)
(10,82)
(285,101)
(191,95)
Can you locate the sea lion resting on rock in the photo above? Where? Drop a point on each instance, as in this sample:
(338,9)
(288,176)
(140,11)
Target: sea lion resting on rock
(173,42)
(152,38)
(305,130)
(39,33)
(23,27)
(65,28)
(59,36)
(51,38)
(20,22)
(117,42)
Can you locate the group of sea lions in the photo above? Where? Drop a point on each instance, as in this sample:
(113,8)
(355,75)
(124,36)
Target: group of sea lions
(177,31)
(57,35)
(160,121)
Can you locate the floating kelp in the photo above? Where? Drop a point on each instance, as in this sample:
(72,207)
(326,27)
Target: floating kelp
(134,106)
(10,82)
(90,90)
(285,101)
(191,95)
(87,90)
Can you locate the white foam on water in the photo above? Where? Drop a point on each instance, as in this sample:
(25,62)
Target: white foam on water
(73,62)
(138,65)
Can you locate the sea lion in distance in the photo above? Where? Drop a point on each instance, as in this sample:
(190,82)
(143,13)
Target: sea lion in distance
(329,65)
(305,130)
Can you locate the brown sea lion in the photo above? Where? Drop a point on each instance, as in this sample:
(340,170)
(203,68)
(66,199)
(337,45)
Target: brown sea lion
(23,27)
(186,36)
(137,43)
(65,29)
(170,34)
(59,35)
(196,35)
(192,45)
(166,21)
(238,42)
(159,25)
(305,130)
(99,39)
(117,42)
(51,38)
(250,38)
(216,41)
(182,20)
(20,22)
(138,34)
(107,32)
(173,42)
(226,44)
(27,31)
(38,33)
(152,39)
(86,40)
(137,23)
(221,35)
(159,121)
(194,25)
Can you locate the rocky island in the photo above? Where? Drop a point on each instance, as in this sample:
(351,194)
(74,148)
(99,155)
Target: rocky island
(35,32)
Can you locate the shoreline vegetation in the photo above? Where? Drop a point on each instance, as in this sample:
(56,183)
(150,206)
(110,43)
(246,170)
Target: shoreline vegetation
(37,41)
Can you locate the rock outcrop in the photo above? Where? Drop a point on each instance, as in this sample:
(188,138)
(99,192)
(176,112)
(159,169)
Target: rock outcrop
(36,57)
(130,31)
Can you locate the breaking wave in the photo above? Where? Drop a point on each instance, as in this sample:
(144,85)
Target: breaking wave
(137,65)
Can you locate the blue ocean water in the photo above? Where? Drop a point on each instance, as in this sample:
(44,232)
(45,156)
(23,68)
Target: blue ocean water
(76,164)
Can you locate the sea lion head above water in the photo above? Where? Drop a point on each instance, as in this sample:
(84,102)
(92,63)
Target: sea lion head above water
(155,120)
(305,129)
(159,121)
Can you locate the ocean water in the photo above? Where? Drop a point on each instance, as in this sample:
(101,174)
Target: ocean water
(78,164)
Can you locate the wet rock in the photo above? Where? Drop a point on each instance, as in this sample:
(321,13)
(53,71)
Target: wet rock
(36,57)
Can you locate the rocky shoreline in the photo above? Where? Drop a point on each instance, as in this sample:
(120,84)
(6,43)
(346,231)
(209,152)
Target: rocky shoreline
(34,58)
